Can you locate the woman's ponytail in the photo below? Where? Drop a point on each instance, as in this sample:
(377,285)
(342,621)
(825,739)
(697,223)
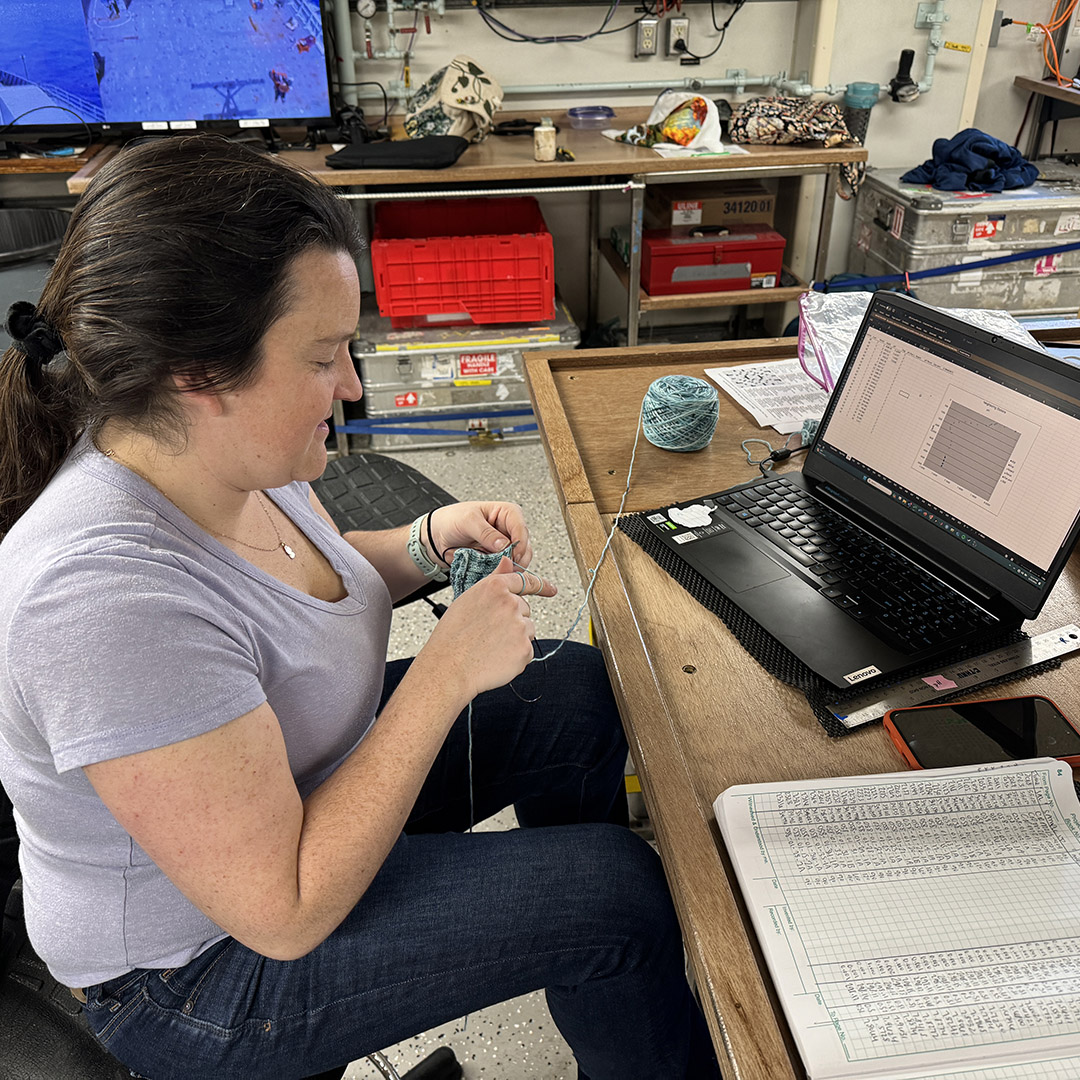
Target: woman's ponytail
(38,419)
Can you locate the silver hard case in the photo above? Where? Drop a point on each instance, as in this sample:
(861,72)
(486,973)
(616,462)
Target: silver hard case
(419,375)
(909,227)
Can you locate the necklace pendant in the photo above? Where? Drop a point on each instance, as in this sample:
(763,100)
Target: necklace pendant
(288,550)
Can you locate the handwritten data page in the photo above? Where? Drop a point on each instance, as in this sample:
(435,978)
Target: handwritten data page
(919,924)
(777,394)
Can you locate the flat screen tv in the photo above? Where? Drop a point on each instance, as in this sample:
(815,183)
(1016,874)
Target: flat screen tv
(127,66)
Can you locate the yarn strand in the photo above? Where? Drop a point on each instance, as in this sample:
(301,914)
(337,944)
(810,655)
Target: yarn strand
(678,412)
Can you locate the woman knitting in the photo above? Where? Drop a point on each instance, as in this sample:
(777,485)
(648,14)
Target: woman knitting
(243,833)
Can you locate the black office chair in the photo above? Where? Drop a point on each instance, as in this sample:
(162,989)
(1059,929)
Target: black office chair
(43,1034)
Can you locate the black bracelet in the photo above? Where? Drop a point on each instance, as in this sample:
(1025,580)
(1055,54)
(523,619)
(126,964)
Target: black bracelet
(431,540)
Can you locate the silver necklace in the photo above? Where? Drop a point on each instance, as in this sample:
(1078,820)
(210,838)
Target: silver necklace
(260,498)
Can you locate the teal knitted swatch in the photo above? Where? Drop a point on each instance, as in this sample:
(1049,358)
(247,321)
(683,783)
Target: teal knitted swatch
(470,566)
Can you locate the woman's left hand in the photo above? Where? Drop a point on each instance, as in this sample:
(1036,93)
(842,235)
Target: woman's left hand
(485,526)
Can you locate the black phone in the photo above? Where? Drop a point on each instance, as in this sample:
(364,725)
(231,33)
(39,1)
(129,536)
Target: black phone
(974,732)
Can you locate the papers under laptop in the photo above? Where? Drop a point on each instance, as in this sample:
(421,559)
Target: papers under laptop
(936,507)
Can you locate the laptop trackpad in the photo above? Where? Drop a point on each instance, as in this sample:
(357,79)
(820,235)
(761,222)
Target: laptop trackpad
(737,563)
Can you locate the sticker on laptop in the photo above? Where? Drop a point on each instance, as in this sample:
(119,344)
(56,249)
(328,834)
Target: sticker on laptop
(862,674)
(657,519)
(684,538)
(694,516)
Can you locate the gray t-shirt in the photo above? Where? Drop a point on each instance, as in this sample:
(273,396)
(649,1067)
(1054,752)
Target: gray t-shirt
(124,627)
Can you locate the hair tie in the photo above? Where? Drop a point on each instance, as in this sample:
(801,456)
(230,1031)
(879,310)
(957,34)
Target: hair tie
(34,336)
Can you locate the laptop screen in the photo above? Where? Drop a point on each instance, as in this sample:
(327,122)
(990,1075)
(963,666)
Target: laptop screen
(962,440)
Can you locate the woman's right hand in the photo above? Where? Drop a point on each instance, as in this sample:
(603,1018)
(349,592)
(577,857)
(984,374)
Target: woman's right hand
(486,635)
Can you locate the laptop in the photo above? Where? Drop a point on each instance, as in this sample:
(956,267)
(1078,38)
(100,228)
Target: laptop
(936,506)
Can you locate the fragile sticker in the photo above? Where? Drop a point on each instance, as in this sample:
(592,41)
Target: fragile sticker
(897,222)
(485,363)
(1048,264)
(1067,223)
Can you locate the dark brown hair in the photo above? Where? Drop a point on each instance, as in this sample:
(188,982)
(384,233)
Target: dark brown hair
(174,265)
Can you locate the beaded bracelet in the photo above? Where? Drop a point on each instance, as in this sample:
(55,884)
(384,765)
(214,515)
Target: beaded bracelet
(420,556)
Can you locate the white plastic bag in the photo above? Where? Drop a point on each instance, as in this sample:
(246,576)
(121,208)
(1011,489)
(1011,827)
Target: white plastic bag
(828,323)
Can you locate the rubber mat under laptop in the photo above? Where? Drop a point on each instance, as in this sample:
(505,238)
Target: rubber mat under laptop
(778,660)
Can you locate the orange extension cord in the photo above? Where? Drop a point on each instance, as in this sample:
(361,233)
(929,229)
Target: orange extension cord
(1050,53)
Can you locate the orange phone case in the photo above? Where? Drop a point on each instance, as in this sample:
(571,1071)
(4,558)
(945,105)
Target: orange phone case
(909,757)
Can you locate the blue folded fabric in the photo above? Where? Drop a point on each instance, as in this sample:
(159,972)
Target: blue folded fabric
(973,161)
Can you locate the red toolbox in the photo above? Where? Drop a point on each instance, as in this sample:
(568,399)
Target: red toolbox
(453,261)
(711,259)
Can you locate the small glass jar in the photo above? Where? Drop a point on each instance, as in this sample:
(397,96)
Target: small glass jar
(544,140)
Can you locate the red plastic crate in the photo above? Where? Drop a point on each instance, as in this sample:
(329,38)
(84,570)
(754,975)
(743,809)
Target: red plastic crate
(442,261)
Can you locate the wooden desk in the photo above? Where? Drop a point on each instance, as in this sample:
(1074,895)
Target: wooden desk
(509,161)
(1055,103)
(23,166)
(699,713)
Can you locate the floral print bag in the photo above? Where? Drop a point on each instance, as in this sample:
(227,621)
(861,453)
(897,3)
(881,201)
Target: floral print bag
(459,99)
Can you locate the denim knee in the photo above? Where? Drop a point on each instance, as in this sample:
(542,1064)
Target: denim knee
(628,897)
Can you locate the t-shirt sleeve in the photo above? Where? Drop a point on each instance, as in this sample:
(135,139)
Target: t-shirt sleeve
(117,652)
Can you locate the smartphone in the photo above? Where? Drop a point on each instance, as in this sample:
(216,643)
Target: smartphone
(974,732)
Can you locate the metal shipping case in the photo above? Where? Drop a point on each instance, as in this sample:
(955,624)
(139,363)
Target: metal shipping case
(908,227)
(421,376)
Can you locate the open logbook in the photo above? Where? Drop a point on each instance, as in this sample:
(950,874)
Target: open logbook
(919,925)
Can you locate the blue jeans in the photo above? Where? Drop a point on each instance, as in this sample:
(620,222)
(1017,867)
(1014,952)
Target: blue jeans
(455,921)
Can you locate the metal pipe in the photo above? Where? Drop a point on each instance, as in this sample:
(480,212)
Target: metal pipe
(426,193)
(346,62)
(779,81)
(933,45)
(649,84)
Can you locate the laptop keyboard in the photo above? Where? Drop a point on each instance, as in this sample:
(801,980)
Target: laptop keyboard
(906,608)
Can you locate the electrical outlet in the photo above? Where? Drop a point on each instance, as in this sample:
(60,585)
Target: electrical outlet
(678,36)
(645,44)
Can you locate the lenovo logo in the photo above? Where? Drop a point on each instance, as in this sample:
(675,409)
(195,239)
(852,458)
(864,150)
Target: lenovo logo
(862,673)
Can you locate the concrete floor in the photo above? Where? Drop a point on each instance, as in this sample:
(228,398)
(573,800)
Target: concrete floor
(516,1040)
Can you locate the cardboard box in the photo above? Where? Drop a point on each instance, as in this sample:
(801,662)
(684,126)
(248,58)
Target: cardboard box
(729,202)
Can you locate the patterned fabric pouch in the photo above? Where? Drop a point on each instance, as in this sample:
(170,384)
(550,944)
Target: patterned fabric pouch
(782,120)
(459,99)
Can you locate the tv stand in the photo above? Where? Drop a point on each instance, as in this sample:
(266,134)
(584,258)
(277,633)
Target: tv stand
(12,164)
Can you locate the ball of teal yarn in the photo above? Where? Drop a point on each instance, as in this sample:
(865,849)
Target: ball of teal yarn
(679,413)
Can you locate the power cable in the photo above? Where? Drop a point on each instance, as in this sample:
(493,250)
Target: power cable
(737,6)
(42,108)
(500,29)
(382,90)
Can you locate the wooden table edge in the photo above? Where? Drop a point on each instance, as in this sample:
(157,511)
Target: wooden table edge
(735,1014)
